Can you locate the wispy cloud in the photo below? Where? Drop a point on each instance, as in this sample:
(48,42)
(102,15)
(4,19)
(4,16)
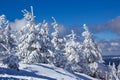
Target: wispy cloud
(114,25)
(18,24)
(99,28)
(110,47)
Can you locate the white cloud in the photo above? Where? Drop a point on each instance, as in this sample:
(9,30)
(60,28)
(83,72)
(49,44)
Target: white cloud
(114,24)
(18,24)
(114,44)
(110,47)
(62,29)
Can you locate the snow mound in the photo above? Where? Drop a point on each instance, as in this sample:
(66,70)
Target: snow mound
(40,72)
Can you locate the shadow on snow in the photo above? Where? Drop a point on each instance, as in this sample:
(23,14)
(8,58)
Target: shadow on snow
(54,70)
(10,78)
(21,73)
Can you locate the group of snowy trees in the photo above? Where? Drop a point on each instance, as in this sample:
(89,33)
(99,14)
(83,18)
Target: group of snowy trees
(35,44)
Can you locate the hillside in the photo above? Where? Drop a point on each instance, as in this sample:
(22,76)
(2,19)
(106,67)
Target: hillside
(39,72)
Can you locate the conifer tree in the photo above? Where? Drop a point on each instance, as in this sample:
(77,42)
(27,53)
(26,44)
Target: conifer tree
(91,49)
(72,52)
(3,24)
(118,71)
(34,45)
(58,44)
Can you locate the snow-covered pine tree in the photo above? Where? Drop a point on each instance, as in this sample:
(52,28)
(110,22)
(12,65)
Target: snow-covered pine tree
(114,72)
(72,52)
(3,24)
(44,37)
(10,39)
(92,54)
(91,49)
(45,48)
(27,42)
(7,44)
(32,47)
(58,44)
(23,40)
(33,44)
(118,71)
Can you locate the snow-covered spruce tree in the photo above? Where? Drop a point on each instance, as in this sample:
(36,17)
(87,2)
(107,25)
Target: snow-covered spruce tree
(92,54)
(114,72)
(3,24)
(72,53)
(7,44)
(58,43)
(28,47)
(7,37)
(33,45)
(94,59)
(118,71)
(10,39)
(91,49)
(46,48)
(24,39)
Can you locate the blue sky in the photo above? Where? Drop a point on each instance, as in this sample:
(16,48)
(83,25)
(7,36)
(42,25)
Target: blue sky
(68,12)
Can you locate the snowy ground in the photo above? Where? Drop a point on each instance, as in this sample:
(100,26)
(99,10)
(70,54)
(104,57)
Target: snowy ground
(40,72)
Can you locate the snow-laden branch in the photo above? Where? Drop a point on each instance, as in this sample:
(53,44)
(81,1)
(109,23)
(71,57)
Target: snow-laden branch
(32,10)
(5,47)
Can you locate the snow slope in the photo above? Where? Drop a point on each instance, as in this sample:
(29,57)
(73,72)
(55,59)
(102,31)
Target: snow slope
(40,72)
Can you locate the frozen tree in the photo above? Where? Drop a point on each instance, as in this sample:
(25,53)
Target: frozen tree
(27,41)
(118,71)
(10,38)
(28,44)
(3,24)
(47,48)
(34,44)
(73,52)
(93,55)
(7,44)
(58,43)
(91,49)
(7,38)
(71,47)
(114,72)
(57,40)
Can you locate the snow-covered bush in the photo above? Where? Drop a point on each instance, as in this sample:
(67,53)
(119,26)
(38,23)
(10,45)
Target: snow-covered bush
(12,62)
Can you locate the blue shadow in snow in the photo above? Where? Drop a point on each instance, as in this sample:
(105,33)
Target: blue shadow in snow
(82,77)
(54,70)
(10,78)
(22,73)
